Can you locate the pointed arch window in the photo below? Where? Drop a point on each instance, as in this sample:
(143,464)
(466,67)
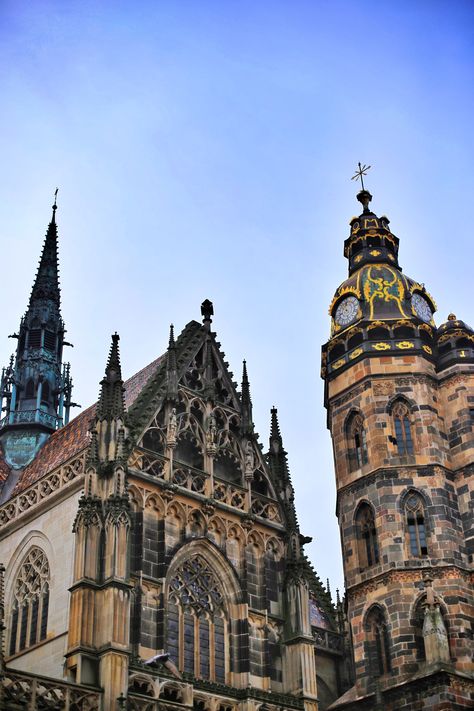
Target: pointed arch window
(30,390)
(402,426)
(357,442)
(378,642)
(29,617)
(415,522)
(45,392)
(366,536)
(197,620)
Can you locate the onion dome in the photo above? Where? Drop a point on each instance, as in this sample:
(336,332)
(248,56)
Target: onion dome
(455,342)
(378,308)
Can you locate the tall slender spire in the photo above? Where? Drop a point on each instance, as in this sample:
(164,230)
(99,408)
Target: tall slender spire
(111,399)
(247,422)
(171,369)
(46,284)
(278,462)
(36,391)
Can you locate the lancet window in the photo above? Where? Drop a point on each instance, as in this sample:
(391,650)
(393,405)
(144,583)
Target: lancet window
(29,616)
(415,522)
(366,536)
(197,621)
(402,426)
(357,442)
(378,642)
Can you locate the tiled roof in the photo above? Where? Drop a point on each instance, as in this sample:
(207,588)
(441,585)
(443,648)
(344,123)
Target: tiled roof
(4,468)
(74,437)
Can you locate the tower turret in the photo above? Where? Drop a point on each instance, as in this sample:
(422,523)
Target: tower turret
(397,392)
(36,387)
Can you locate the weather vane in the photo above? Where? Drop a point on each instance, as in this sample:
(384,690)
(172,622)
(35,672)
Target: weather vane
(359,174)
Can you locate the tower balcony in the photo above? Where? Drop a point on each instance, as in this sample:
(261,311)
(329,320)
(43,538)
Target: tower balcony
(31,417)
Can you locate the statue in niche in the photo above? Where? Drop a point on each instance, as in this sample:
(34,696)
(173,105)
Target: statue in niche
(211,434)
(249,460)
(435,635)
(172,427)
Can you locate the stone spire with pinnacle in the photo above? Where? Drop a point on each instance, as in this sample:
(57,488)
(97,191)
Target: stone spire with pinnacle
(171,369)
(111,402)
(37,396)
(246,400)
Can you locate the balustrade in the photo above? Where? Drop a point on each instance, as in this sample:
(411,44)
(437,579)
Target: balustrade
(28,692)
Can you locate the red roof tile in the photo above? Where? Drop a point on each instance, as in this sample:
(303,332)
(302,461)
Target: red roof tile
(68,441)
(4,468)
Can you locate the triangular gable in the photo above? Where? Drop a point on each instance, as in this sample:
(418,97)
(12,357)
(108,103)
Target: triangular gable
(202,376)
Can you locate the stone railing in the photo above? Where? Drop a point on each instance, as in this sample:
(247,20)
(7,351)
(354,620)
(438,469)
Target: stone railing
(28,692)
(153,464)
(230,494)
(263,507)
(198,482)
(328,640)
(58,479)
(136,702)
(190,479)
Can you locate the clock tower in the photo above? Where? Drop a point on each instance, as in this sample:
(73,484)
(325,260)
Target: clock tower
(399,394)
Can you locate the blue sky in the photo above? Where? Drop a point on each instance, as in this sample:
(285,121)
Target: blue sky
(204,150)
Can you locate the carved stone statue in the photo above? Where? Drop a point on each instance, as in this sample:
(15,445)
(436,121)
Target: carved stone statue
(249,459)
(435,636)
(172,427)
(211,431)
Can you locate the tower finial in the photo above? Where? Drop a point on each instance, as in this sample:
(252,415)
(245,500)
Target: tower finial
(207,311)
(363,195)
(55,205)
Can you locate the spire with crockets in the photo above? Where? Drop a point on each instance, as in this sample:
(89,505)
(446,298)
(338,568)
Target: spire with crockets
(111,398)
(36,388)
(246,400)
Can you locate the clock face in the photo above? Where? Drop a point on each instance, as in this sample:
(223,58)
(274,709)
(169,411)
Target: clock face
(421,307)
(347,310)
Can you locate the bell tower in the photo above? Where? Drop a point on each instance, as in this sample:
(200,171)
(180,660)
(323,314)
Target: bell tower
(35,388)
(397,393)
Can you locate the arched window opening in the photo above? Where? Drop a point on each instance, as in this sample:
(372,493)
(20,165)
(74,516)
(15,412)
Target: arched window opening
(378,643)
(357,443)
(188,451)
(366,536)
(34,338)
(196,621)
(415,518)
(45,392)
(30,390)
(29,618)
(355,340)
(402,425)
(50,341)
(259,483)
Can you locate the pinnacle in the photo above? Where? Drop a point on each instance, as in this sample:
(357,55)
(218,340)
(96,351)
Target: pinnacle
(111,399)
(275,427)
(247,422)
(46,284)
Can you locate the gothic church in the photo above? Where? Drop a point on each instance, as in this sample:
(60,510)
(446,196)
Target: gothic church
(152,555)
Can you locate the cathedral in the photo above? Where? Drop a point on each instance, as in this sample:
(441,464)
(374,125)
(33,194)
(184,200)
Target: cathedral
(151,554)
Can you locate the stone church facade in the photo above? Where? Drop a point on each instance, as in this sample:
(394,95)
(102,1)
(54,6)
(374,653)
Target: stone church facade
(153,558)
(151,548)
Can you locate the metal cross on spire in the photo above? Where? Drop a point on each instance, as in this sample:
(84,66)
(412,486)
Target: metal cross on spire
(359,174)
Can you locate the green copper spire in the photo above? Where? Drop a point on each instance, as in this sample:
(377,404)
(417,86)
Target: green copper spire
(36,395)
